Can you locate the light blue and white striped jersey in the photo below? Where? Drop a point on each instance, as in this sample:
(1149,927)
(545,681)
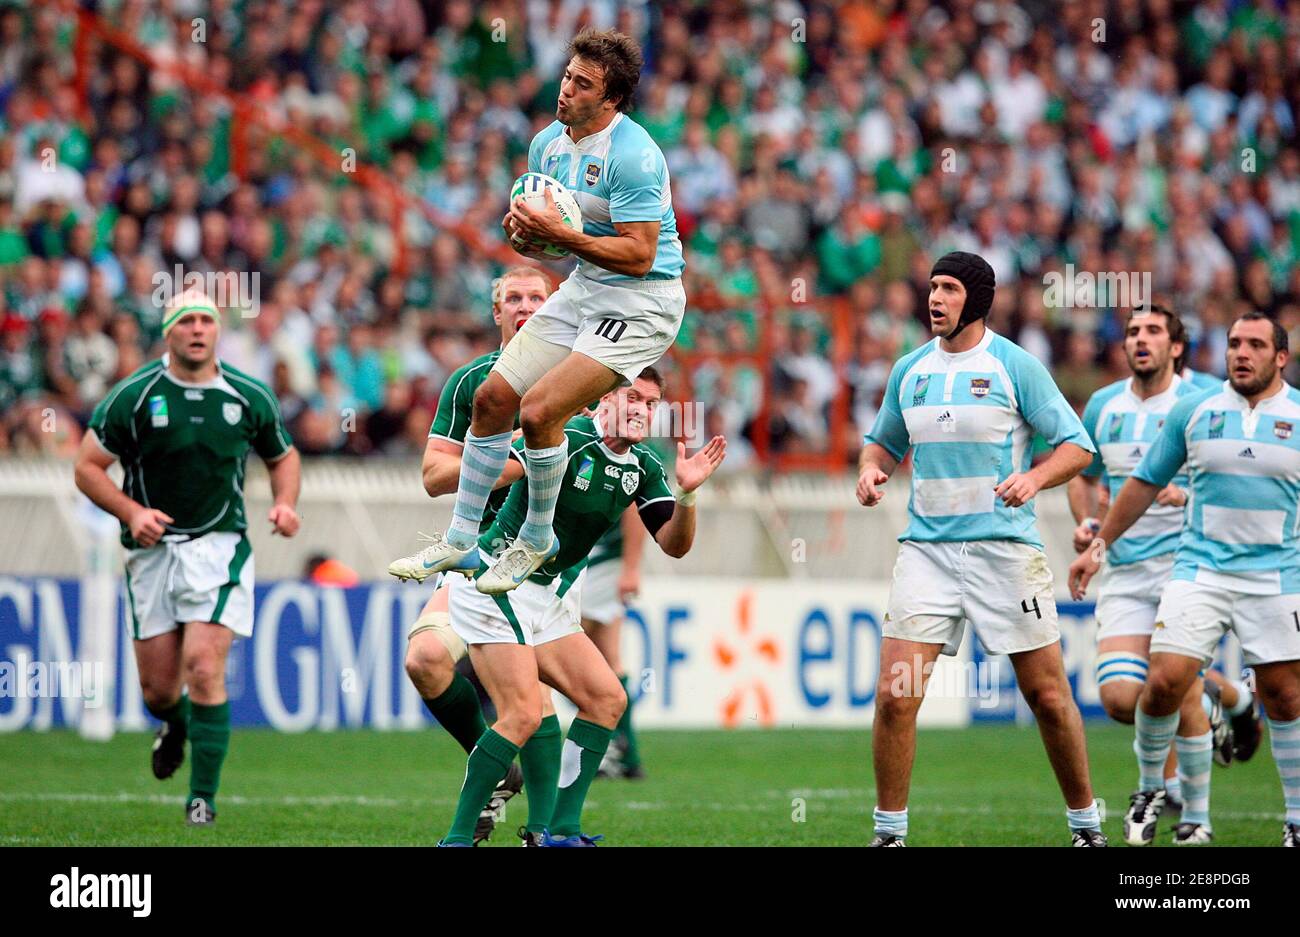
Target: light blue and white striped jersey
(970,419)
(1202,381)
(1123,426)
(1244,465)
(618,174)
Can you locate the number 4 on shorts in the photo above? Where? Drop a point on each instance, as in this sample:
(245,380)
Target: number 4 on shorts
(1027,608)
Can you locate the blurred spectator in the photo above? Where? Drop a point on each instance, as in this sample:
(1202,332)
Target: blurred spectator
(822,176)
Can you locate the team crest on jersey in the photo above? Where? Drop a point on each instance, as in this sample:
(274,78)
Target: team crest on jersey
(1217,420)
(922,388)
(979,386)
(232,412)
(630,481)
(583,481)
(158,411)
(591,175)
(1282,430)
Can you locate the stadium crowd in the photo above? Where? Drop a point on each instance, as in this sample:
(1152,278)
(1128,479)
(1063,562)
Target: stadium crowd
(820,153)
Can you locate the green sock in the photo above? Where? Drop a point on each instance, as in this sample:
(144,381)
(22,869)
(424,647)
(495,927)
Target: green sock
(209,741)
(457,710)
(583,750)
(540,761)
(488,763)
(177,714)
(632,754)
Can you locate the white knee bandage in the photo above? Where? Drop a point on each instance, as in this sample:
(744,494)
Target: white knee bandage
(1117,666)
(526,359)
(440,624)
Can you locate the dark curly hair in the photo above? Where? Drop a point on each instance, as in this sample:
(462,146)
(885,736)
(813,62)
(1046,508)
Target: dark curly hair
(618,56)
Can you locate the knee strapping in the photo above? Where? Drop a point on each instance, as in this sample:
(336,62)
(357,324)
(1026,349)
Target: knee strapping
(1121,667)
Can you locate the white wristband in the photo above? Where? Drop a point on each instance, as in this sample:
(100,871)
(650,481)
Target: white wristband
(1092,524)
(685,498)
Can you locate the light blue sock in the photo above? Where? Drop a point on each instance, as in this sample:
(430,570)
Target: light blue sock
(1154,736)
(1285,737)
(545,475)
(1085,818)
(1244,698)
(1174,788)
(890,822)
(1195,755)
(481,463)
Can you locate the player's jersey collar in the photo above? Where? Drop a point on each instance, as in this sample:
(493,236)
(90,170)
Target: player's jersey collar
(625,457)
(592,138)
(1263,404)
(1170,392)
(219,382)
(969,352)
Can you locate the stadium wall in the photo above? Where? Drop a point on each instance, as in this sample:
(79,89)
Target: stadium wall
(701,653)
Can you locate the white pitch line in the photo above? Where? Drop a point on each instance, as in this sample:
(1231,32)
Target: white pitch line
(815,802)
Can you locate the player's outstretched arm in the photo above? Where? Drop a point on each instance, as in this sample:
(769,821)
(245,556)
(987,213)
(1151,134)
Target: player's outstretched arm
(1131,503)
(286,480)
(678,533)
(1084,492)
(629,578)
(440,468)
(875,465)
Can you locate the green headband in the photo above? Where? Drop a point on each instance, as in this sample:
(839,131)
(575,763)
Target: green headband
(174,316)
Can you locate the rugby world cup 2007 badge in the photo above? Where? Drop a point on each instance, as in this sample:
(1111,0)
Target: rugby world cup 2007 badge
(158,411)
(1282,430)
(1217,421)
(921,389)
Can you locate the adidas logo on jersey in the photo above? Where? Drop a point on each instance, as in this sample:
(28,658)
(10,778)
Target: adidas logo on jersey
(1136,453)
(1246,453)
(947,421)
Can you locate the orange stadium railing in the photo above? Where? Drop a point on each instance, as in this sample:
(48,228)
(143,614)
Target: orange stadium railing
(249,116)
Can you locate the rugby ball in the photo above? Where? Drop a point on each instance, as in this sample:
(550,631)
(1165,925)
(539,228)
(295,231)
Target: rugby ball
(531,187)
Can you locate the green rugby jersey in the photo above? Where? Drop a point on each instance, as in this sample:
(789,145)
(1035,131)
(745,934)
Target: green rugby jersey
(609,547)
(183,446)
(598,486)
(455,410)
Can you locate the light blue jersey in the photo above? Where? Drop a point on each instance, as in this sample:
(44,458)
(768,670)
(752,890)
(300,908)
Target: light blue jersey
(1244,466)
(1202,381)
(1123,426)
(618,174)
(970,419)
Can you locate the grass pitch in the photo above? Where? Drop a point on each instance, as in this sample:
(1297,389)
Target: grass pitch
(986,785)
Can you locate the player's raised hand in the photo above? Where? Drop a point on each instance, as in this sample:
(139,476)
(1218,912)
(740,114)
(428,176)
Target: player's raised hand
(1171,496)
(1085,566)
(284,520)
(695,471)
(147,525)
(870,481)
(1017,489)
